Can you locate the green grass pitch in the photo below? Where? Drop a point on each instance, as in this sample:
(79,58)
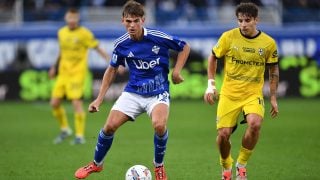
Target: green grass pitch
(289,145)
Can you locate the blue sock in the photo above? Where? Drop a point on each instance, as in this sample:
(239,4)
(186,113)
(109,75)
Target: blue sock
(160,147)
(103,145)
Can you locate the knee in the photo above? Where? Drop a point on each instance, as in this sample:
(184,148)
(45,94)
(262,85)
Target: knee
(54,104)
(160,128)
(110,128)
(224,134)
(77,105)
(254,127)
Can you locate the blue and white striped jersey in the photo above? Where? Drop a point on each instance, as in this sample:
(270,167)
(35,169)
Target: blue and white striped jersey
(147,59)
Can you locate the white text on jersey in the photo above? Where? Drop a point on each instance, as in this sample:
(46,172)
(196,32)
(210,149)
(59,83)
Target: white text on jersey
(140,64)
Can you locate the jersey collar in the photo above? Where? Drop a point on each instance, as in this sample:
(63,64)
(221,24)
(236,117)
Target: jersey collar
(145,33)
(248,37)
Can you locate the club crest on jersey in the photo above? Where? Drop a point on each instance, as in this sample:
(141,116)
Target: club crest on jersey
(155,49)
(235,48)
(261,51)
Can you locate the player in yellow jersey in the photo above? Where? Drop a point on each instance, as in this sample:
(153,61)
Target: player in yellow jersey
(71,69)
(247,51)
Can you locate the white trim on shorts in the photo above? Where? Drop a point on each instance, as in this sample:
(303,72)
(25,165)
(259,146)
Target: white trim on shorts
(133,104)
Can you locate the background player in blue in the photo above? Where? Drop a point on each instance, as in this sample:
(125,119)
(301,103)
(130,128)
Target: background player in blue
(146,53)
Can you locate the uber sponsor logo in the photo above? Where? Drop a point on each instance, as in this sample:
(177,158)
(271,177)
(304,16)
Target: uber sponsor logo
(140,64)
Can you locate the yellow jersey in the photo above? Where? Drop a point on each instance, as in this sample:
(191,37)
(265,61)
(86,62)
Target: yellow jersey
(244,62)
(74,46)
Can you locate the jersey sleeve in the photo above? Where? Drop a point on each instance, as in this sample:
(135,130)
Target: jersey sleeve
(91,41)
(172,42)
(116,59)
(272,56)
(176,44)
(220,49)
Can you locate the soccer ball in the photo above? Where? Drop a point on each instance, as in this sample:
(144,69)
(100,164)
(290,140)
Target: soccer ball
(138,172)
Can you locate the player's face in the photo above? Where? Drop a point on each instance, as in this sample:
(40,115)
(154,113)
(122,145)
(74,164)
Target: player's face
(72,20)
(248,25)
(134,26)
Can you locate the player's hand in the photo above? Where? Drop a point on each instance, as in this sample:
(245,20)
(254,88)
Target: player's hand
(210,96)
(94,106)
(52,72)
(274,107)
(177,78)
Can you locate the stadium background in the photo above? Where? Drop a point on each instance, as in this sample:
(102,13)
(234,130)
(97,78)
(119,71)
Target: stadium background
(28,47)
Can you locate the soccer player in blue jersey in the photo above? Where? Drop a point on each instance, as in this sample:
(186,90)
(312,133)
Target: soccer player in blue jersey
(146,53)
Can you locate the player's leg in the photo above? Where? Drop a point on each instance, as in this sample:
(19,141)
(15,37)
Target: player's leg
(159,118)
(79,121)
(74,92)
(224,147)
(58,111)
(126,108)
(104,142)
(227,114)
(249,141)
(158,110)
(254,112)
(60,114)
(105,138)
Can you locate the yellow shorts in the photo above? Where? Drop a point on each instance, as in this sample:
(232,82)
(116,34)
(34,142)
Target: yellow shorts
(69,87)
(229,110)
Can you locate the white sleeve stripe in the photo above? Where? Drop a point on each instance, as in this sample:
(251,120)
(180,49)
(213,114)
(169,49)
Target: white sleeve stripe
(159,34)
(121,39)
(124,35)
(156,31)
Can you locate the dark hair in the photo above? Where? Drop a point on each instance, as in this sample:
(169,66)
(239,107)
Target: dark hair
(248,9)
(73,10)
(133,8)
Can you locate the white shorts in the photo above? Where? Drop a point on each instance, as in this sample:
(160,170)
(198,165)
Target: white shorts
(133,104)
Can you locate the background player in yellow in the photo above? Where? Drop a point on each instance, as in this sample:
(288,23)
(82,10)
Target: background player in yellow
(74,41)
(246,51)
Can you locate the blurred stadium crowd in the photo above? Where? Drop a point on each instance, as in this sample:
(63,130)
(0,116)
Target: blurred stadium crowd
(163,11)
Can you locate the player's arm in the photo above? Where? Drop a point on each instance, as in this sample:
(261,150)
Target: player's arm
(181,60)
(53,69)
(211,92)
(274,81)
(107,80)
(102,53)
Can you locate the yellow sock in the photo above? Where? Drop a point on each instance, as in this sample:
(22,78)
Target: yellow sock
(226,163)
(60,114)
(244,156)
(79,123)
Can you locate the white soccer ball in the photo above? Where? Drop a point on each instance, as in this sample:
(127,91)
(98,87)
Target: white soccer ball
(138,172)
